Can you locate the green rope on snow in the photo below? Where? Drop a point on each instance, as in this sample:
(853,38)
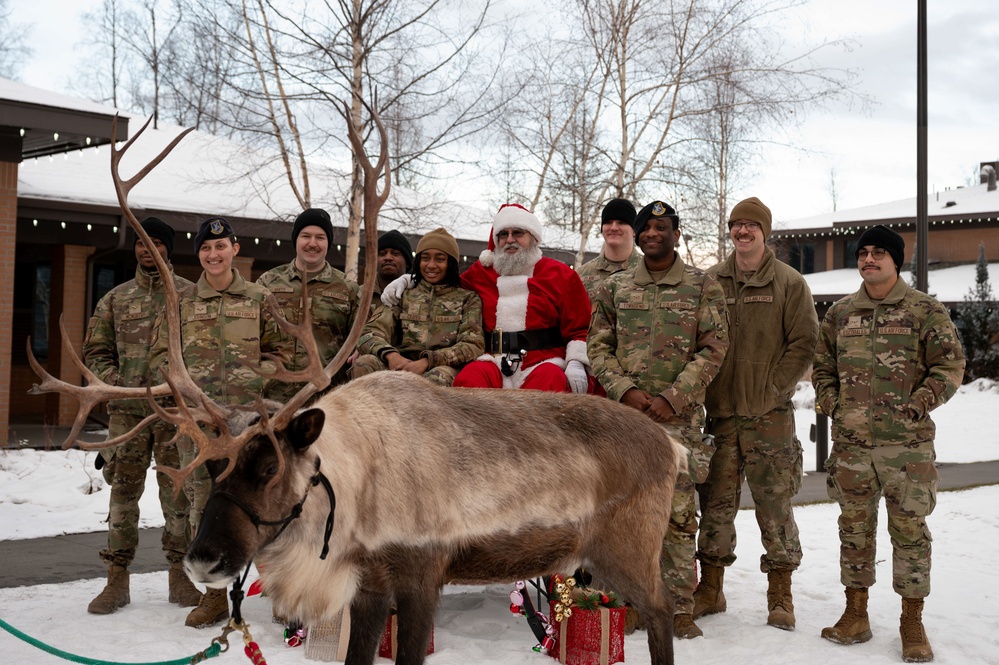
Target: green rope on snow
(212,651)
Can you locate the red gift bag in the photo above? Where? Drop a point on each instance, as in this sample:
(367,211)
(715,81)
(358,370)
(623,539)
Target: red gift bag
(388,646)
(590,637)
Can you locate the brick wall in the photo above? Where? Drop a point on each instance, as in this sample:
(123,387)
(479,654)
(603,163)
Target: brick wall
(8,232)
(69,296)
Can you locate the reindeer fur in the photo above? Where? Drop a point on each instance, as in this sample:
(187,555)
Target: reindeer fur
(435,485)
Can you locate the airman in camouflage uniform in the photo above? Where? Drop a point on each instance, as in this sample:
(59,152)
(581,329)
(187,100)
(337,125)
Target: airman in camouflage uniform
(657,338)
(333,298)
(116,349)
(887,356)
(225,327)
(395,259)
(436,328)
(619,251)
(773,328)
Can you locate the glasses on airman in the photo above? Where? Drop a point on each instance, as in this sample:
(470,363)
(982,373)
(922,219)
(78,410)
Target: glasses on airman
(878,253)
(749,226)
(516,234)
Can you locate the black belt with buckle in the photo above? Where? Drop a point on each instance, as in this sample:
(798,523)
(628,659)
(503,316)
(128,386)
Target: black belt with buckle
(499,342)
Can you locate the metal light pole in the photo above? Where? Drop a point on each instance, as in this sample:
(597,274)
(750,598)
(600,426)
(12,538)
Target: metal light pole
(922,224)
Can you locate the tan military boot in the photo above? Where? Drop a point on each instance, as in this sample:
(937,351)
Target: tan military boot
(115,593)
(684,627)
(709,597)
(214,607)
(182,591)
(915,645)
(854,626)
(779,600)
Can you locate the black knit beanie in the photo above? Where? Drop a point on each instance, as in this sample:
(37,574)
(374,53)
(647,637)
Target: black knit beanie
(395,240)
(622,210)
(157,228)
(888,240)
(313,217)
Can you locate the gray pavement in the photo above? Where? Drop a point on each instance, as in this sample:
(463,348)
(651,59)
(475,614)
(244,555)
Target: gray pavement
(73,557)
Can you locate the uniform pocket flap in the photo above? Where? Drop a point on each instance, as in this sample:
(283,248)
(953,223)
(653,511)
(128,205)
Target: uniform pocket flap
(921,472)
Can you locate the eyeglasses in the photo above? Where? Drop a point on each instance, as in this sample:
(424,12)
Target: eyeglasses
(878,253)
(749,226)
(516,234)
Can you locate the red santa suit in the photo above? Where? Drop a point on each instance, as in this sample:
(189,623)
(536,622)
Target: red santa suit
(550,295)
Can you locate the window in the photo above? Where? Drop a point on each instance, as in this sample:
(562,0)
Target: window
(801,257)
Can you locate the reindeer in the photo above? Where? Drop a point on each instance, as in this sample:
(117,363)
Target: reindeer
(421,485)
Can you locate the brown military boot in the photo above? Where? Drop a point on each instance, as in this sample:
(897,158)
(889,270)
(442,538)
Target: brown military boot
(709,597)
(214,607)
(182,591)
(853,626)
(915,645)
(779,600)
(684,627)
(115,593)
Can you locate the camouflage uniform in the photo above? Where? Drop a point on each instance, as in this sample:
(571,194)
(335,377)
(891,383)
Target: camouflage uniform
(666,336)
(333,300)
(116,349)
(440,323)
(773,332)
(223,336)
(594,273)
(876,362)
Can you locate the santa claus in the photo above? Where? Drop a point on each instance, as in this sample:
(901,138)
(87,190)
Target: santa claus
(535,312)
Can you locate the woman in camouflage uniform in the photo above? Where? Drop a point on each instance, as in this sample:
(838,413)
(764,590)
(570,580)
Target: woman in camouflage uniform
(437,326)
(225,328)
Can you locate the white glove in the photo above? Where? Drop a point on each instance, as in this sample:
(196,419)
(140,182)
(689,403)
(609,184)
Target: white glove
(575,371)
(393,292)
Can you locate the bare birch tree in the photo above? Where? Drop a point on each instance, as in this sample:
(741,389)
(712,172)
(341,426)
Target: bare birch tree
(662,74)
(14,49)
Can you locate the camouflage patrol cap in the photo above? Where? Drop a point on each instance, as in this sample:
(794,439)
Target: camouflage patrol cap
(213,228)
(656,209)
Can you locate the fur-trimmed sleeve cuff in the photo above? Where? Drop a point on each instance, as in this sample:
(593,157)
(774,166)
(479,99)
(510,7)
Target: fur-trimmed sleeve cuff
(576,350)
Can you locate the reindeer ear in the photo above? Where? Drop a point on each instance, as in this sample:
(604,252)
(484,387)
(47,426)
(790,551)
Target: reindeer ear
(305,429)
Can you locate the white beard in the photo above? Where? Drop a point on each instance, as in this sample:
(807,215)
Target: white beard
(520,263)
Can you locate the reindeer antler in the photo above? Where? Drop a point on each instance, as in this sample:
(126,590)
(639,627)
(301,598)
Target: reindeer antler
(97,391)
(373,201)
(178,381)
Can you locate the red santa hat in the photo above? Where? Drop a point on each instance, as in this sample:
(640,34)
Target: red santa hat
(510,216)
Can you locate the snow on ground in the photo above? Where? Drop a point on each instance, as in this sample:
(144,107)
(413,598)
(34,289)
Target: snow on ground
(43,493)
(473,624)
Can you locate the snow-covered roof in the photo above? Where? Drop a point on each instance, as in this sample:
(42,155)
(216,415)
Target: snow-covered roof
(949,285)
(210,175)
(968,202)
(19,92)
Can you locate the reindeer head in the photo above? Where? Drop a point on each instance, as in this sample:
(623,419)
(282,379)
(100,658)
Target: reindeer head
(257,499)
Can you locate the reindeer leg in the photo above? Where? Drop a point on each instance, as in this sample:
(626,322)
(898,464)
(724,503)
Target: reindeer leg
(417,605)
(368,613)
(626,556)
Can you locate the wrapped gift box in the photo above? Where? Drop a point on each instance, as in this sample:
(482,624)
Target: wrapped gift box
(327,640)
(590,637)
(388,645)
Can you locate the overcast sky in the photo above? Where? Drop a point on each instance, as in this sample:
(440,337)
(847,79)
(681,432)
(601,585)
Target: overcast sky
(873,152)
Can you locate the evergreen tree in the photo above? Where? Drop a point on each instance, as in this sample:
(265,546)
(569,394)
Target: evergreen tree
(978,319)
